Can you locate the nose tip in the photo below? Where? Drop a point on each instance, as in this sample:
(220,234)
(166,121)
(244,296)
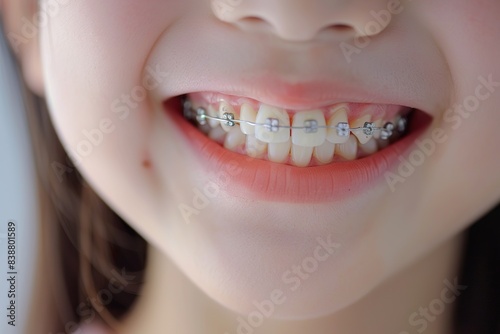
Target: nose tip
(296,20)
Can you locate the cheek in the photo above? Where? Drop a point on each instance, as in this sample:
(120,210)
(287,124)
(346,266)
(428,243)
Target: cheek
(96,51)
(473,134)
(464,30)
(93,54)
(464,163)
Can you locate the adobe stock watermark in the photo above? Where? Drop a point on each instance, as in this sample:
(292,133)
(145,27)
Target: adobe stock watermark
(381,19)
(223,8)
(211,190)
(203,197)
(426,147)
(421,318)
(292,280)
(122,108)
(31,28)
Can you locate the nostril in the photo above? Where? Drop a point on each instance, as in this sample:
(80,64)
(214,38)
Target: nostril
(341,27)
(337,29)
(252,20)
(254,23)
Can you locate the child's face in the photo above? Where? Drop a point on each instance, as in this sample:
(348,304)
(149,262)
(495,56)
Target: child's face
(237,226)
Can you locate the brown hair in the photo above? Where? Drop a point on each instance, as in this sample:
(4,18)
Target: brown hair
(96,258)
(478,308)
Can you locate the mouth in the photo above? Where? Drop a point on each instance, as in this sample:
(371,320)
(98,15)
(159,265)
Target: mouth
(308,138)
(309,155)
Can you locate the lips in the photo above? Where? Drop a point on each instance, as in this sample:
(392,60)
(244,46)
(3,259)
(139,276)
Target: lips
(306,138)
(307,174)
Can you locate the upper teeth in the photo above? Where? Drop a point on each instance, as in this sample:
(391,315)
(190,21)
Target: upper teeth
(313,132)
(247,116)
(309,128)
(367,128)
(339,130)
(276,123)
(312,138)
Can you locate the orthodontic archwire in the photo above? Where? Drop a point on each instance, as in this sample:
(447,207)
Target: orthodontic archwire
(310,126)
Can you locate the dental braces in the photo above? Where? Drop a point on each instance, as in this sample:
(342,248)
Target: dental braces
(310,126)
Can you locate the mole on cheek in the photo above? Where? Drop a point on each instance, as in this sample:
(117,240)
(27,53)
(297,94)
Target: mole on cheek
(146,163)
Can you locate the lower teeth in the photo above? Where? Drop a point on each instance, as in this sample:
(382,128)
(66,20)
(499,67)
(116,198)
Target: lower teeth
(226,131)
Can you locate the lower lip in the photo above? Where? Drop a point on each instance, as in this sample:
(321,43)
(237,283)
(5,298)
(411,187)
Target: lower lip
(256,179)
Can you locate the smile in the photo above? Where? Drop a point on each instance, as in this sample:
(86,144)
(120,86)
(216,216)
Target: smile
(340,132)
(313,155)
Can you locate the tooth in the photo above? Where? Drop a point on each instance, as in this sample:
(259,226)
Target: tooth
(225,107)
(193,104)
(234,139)
(247,113)
(315,137)
(359,123)
(382,143)
(396,134)
(349,149)
(205,128)
(278,135)
(301,156)
(217,134)
(324,153)
(378,124)
(339,114)
(212,112)
(370,147)
(278,152)
(254,147)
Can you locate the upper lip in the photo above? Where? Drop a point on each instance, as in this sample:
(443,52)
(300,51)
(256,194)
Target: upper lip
(299,96)
(304,81)
(305,94)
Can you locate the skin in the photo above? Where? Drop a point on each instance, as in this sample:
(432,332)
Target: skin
(389,262)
